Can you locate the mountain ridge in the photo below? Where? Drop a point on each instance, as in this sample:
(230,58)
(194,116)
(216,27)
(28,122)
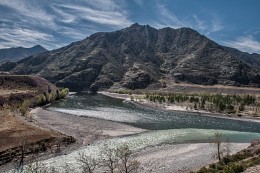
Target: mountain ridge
(139,57)
(17,53)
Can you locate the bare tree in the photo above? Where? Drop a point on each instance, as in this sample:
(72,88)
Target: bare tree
(110,158)
(227,148)
(23,149)
(67,168)
(34,166)
(218,144)
(126,164)
(88,163)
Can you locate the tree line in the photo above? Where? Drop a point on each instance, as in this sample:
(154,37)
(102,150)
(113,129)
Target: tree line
(217,102)
(222,103)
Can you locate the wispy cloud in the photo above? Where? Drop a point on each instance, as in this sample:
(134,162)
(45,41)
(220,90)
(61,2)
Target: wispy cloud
(199,24)
(58,22)
(14,37)
(167,18)
(247,44)
(30,12)
(114,18)
(215,26)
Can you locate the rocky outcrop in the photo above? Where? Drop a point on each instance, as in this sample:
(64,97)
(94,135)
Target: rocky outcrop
(137,57)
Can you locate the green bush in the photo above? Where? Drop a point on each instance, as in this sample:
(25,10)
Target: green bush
(63,93)
(234,168)
(24,108)
(41,100)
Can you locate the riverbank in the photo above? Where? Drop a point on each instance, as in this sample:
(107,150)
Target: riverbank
(85,130)
(88,131)
(180,158)
(176,108)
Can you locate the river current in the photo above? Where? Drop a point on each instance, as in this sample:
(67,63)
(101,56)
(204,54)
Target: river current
(165,127)
(104,107)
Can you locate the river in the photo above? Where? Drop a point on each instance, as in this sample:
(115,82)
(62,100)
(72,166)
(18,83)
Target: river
(164,127)
(104,107)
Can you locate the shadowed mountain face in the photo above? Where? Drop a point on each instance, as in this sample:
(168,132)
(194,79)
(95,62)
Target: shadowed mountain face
(250,59)
(18,53)
(138,57)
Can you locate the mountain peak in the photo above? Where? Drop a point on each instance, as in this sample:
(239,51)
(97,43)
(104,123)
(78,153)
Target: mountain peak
(39,47)
(135,25)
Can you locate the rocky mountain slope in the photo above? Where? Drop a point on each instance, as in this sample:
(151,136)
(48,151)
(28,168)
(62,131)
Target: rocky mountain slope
(18,53)
(139,57)
(251,59)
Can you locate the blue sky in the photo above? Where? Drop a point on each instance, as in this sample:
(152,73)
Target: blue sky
(56,23)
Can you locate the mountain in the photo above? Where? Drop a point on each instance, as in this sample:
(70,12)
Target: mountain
(139,57)
(251,59)
(18,53)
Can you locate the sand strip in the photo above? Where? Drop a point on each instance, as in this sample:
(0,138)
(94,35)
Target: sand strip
(180,158)
(86,130)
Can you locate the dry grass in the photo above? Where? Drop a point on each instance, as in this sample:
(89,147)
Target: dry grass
(15,129)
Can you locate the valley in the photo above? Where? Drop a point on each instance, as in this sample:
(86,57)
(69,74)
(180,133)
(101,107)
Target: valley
(98,120)
(160,96)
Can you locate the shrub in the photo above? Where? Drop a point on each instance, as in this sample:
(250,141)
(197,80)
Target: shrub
(63,93)
(24,108)
(234,168)
(41,100)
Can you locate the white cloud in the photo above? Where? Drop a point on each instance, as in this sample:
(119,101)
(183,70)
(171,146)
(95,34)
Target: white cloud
(62,16)
(167,18)
(247,44)
(200,24)
(112,18)
(215,26)
(14,37)
(107,5)
(55,23)
(30,12)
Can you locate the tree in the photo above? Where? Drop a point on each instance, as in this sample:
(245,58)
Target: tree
(218,144)
(195,106)
(110,158)
(88,163)
(24,108)
(126,164)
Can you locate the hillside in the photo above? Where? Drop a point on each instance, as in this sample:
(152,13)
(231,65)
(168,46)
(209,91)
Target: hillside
(18,53)
(17,127)
(15,89)
(139,57)
(251,59)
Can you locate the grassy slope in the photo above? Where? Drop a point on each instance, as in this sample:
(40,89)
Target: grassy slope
(17,130)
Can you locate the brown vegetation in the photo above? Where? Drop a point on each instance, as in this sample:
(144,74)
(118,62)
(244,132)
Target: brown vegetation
(16,132)
(19,135)
(238,162)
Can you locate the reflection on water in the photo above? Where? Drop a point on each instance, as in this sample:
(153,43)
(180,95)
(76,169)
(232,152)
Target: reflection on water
(104,107)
